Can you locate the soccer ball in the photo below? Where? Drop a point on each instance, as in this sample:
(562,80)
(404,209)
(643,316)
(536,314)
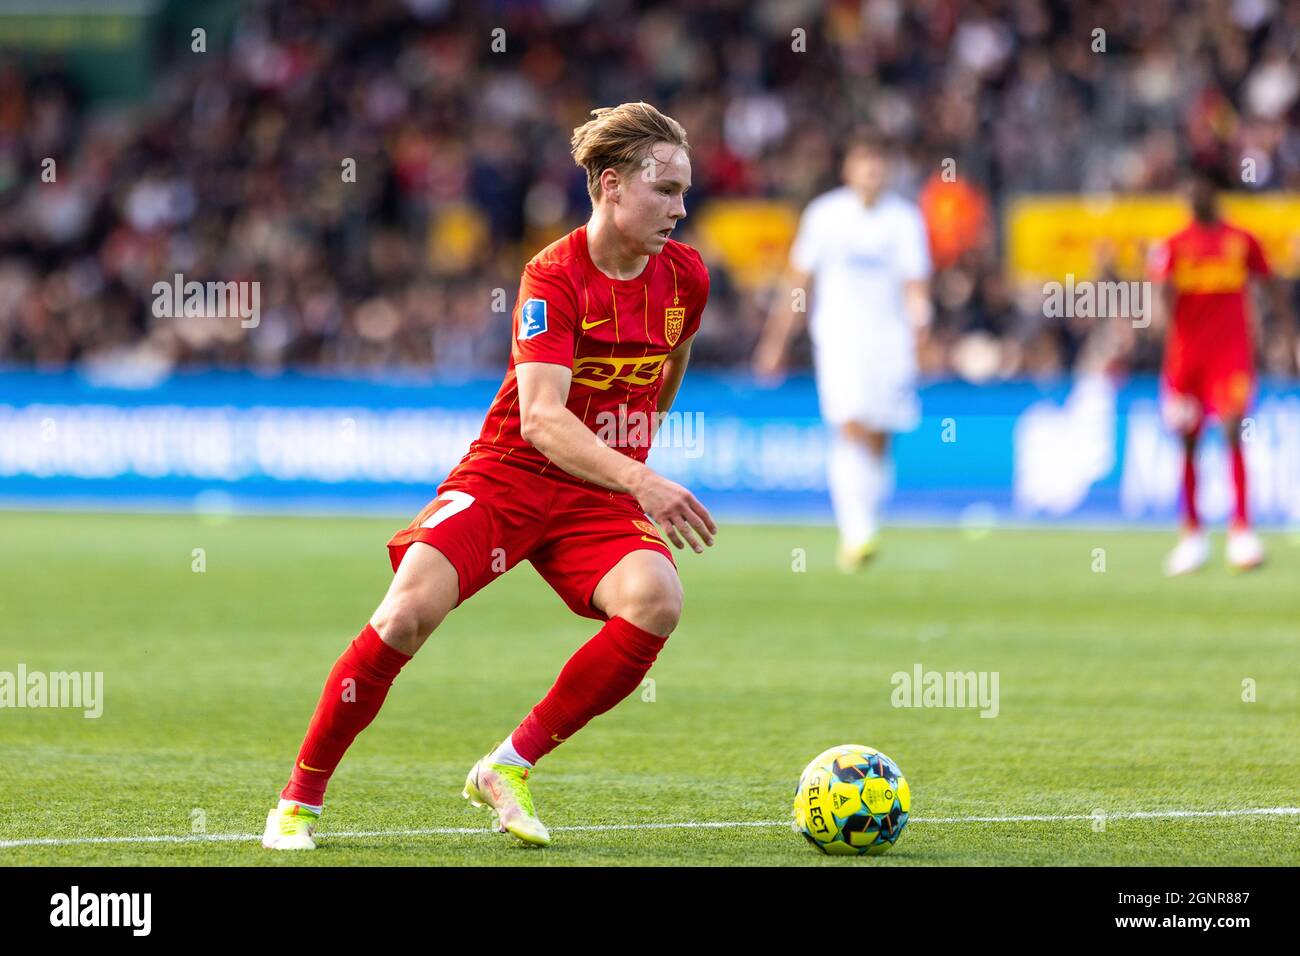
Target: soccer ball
(851,800)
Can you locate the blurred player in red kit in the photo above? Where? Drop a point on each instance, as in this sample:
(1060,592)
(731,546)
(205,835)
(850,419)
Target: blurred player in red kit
(601,336)
(1209,365)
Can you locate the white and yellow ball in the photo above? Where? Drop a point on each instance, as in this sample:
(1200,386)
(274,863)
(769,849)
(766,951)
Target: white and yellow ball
(851,800)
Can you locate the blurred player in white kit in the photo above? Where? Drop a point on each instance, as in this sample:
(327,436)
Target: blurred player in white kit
(864,255)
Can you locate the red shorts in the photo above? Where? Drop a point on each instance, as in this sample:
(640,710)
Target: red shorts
(487,517)
(1206,381)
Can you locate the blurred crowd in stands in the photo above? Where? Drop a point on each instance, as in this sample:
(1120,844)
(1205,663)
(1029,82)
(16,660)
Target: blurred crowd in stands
(234,168)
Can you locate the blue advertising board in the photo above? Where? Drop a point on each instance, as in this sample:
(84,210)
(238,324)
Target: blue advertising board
(1083,449)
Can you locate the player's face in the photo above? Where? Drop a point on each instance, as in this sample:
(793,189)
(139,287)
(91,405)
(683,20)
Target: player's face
(865,171)
(651,200)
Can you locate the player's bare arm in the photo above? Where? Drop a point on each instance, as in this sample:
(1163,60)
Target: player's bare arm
(1280,296)
(1162,301)
(1160,310)
(920,310)
(674,372)
(784,322)
(549,426)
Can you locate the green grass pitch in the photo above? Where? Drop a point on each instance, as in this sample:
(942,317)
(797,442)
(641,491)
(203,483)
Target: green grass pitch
(1120,691)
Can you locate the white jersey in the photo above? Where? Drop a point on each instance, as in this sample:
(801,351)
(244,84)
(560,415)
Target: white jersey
(864,346)
(859,257)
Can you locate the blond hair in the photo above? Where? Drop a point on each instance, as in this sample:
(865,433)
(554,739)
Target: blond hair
(620,137)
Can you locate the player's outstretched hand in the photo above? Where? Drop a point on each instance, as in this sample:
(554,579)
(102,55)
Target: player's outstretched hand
(768,363)
(676,511)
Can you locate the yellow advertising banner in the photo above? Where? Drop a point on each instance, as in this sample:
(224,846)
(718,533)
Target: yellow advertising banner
(1048,237)
(752,237)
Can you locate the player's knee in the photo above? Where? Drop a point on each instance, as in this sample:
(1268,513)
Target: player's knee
(654,606)
(860,434)
(405,620)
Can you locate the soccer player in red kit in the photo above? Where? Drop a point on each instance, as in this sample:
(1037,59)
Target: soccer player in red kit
(601,336)
(1209,360)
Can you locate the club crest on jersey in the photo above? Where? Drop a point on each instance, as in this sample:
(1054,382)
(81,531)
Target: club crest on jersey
(673,321)
(532,319)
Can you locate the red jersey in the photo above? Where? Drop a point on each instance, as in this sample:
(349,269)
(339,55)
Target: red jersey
(1209,267)
(615,334)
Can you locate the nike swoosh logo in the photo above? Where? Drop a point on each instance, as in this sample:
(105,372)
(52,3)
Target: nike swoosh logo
(591,325)
(646,537)
(312,769)
(558,740)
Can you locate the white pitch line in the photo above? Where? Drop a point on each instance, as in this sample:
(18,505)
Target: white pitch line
(687,825)
(1136,815)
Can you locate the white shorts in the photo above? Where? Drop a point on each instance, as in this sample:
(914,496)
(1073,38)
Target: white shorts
(876,391)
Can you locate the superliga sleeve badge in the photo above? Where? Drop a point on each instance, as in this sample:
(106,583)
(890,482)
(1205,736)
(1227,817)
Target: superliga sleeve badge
(532,319)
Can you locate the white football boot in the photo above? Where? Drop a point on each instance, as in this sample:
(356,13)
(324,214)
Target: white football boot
(1190,554)
(290,826)
(504,789)
(850,558)
(1245,551)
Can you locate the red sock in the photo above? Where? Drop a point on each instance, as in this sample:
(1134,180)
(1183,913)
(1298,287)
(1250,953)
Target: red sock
(1239,519)
(353,694)
(1191,520)
(598,675)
